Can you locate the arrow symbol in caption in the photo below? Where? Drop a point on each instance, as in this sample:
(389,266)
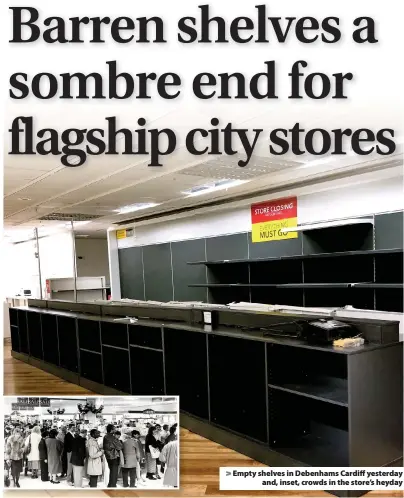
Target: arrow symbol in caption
(228,473)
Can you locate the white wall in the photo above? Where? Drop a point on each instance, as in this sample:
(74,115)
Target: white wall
(21,270)
(92,258)
(332,200)
(56,254)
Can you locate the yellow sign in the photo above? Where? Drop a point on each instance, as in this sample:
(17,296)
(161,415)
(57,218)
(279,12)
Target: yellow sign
(121,234)
(272,230)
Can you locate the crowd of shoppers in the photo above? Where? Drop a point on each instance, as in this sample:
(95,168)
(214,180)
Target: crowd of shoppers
(73,453)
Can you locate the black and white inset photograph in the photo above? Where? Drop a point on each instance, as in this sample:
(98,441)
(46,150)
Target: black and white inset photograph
(91,442)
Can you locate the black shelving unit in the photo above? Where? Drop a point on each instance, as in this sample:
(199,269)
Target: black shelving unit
(365,279)
(360,265)
(280,401)
(309,430)
(371,252)
(313,374)
(207,269)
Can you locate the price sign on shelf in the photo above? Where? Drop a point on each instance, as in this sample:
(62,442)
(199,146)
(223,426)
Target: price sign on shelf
(270,218)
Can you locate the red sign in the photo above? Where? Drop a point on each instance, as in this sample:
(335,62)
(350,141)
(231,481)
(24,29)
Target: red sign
(274,210)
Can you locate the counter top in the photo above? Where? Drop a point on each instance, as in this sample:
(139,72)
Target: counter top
(234,332)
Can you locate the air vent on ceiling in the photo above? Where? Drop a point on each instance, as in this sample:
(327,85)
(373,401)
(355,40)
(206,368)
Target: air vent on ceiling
(226,167)
(69,217)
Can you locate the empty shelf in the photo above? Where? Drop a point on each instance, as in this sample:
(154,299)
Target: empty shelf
(371,285)
(315,286)
(299,256)
(218,285)
(319,389)
(284,286)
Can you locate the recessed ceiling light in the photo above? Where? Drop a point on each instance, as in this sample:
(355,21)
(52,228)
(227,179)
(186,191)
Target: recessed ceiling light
(213,187)
(24,199)
(319,162)
(75,224)
(135,207)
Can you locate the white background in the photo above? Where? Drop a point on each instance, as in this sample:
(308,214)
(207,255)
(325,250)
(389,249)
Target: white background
(374,96)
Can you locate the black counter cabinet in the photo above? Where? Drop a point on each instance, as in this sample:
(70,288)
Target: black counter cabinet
(50,339)
(280,401)
(330,409)
(238,385)
(146,359)
(186,370)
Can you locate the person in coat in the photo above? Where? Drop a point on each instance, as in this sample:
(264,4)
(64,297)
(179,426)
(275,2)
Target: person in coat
(14,455)
(151,462)
(32,443)
(25,434)
(131,456)
(61,436)
(173,434)
(112,447)
(78,458)
(67,451)
(169,456)
(163,436)
(43,456)
(136,435)
(95,454)
(54,448)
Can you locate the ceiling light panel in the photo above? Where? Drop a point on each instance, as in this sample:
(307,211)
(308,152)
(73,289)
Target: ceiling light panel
(209,188)
(135,207)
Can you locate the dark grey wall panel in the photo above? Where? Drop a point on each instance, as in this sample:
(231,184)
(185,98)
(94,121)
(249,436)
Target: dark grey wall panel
(157,272)
(389,230)
(275,249)
(131,272)
(227,247)
(184,274)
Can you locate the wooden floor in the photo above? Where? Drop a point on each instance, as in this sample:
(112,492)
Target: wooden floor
(200,458)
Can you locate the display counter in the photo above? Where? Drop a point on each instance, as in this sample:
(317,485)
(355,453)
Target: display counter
(279,400)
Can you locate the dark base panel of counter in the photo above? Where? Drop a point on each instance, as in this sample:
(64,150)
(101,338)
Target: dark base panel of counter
(20,356)
(68,376)
(48,367)
(279,401)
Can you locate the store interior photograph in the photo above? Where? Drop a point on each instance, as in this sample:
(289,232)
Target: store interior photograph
(59,436)
(269,298)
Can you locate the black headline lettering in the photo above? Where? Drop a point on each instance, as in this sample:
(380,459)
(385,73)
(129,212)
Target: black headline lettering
(75,145)
(204,25)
